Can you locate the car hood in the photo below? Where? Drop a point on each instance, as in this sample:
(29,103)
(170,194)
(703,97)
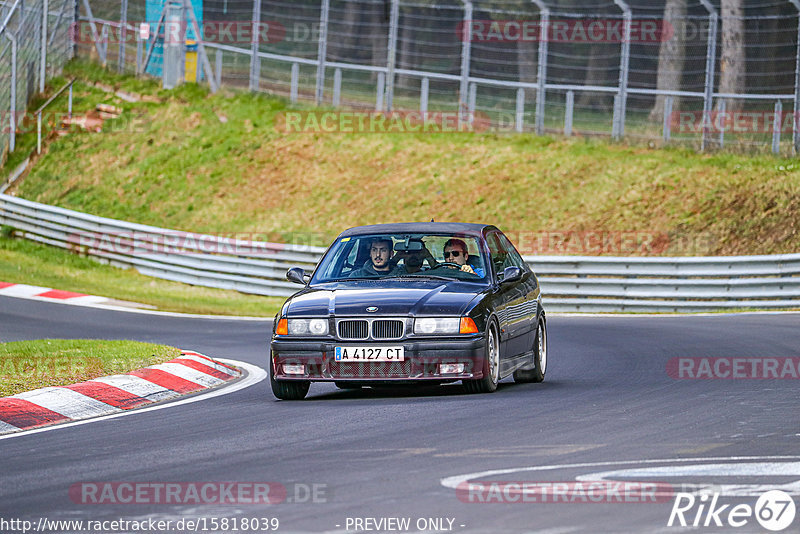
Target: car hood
(398,298)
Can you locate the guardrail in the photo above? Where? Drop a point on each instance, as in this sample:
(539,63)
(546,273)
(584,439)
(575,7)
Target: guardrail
(569,283)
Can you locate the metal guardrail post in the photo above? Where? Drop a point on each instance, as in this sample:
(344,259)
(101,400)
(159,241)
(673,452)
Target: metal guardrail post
(667,127)
(776,128)
(43,50)
(541,67)
(255,61)
(796,106)
(466,50)
(294,82)
(123,35)
(711,59)
(568,113)
(391,53)
(322,51)
(618,131)
(519,120)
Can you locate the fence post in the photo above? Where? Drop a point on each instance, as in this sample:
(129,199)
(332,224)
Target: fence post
(380,90)
(667,130)
(173,28)
(255,61)
(568,113)
(391,55)
(322,50)
(624,63)
(43,51)
(541,68)
(139,43)
(466,50)
(337,87)
(123,34)
(796,106)
(720,113)
(423,95)
(711,58)
(218,65)
(295,81)
(12,116)
(520,112)
(471,101)
(776,128)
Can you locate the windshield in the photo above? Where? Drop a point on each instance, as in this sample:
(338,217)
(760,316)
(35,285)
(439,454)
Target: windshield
(438,256)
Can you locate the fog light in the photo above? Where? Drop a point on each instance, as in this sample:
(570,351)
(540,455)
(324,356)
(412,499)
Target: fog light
(294,369)
(451,368)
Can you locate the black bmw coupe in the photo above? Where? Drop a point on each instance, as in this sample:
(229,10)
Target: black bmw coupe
(408,303)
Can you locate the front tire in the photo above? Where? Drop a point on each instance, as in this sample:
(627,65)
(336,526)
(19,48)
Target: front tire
(539,357)
(491,366)
(287,389)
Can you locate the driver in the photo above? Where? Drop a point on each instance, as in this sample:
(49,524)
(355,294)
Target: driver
(380,254)
(455,251)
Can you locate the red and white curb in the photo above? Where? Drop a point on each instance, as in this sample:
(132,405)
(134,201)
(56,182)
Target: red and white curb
(26,291)
(190,373)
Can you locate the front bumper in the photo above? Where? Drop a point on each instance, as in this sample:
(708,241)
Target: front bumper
(422,359)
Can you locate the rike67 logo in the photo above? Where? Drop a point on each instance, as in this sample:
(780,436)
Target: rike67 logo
(774,510)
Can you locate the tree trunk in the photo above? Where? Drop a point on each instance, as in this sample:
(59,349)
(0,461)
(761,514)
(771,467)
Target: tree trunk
(732,61)
(597,69)
(671,56)
(341,33)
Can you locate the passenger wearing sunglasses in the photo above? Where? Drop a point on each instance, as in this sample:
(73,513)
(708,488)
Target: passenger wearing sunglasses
(455,251)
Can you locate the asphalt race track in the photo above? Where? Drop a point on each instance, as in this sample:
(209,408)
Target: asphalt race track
(608,404)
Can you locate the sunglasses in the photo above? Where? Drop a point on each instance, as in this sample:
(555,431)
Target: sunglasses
(454,253)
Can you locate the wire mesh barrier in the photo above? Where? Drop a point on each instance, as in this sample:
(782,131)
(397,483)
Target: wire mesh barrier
(701,73)
(569,283)
(34,45)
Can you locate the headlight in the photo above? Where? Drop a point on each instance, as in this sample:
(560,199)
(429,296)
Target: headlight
(311,327)
(437,325)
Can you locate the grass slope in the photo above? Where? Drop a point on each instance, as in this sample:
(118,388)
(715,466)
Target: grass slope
(216,163)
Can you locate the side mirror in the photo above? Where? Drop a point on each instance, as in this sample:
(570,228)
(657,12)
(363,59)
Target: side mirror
(511,274)
(296,275)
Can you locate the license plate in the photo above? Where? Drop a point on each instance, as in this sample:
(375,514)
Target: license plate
(369,354)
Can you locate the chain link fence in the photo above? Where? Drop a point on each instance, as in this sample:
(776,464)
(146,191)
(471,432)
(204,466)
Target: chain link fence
(34,45)
(702,73)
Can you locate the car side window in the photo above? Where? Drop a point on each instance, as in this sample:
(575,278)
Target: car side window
(513,258)
(498,253)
